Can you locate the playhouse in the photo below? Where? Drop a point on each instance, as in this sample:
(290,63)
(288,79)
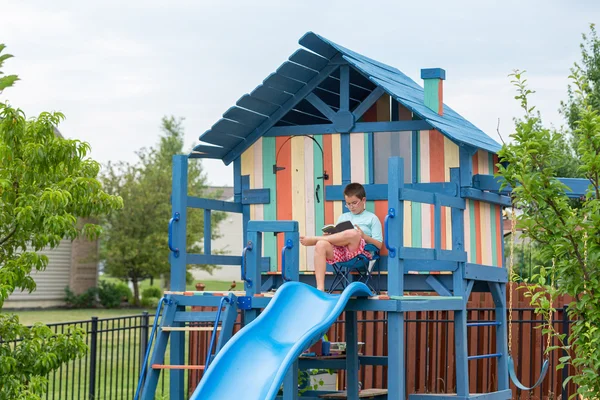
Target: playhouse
(326,117)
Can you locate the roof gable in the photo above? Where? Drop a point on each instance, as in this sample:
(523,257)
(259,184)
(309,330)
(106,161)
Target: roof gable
(282,92)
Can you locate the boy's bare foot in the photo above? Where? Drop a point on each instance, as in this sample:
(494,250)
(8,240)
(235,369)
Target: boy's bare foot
(308,240)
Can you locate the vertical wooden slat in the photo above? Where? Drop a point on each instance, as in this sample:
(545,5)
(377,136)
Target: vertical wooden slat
(328,163)
(336,159)
(284,187)
(270,210)
(425,175)
(257,173)
(477,217)
(299,191)
(248,169)
(309,203)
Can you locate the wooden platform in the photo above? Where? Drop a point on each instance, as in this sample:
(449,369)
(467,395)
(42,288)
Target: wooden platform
(363,394)
(189,328)
(185,367)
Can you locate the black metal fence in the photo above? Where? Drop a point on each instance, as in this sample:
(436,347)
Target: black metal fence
(117,346)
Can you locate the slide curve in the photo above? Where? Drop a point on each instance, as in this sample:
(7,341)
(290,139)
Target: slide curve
(253,363)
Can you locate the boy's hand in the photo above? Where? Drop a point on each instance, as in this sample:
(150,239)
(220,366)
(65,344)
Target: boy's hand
(362,234)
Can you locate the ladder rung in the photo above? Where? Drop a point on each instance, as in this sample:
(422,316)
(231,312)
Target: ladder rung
(195,316)
(489,323)
(162,366)
(189,328)
(493,355)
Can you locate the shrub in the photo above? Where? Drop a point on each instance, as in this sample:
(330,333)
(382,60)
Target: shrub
(150,296)
(84,300)
(111,295)
(152,291)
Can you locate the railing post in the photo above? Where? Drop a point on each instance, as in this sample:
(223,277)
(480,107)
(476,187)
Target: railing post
(565,370)
(144,336)
(93,356)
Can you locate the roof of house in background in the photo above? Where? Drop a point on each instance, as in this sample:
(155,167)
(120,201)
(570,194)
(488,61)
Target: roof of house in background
(254,113)
(226,192)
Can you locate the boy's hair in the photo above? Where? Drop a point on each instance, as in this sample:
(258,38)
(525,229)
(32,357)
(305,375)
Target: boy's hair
(355,189)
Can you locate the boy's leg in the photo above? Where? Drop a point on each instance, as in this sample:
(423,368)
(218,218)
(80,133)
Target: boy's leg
(349,238)
(323,251)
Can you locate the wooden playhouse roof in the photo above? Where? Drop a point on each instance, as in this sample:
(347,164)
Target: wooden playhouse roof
(280,100)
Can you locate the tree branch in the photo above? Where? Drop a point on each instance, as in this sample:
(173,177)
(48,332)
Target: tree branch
(8,236)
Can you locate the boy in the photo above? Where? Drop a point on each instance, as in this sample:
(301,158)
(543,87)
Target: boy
(346,245)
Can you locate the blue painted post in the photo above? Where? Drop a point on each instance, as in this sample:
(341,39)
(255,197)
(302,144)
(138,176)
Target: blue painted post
(253,271)
(290,383)
(499,295)
(207,232)
(237,180)
(292,256)
(395,232)
(396,372)
(245,183)
(465,155)
(178,266)
(352,355)
(459,287)
(415,156)
(344,88)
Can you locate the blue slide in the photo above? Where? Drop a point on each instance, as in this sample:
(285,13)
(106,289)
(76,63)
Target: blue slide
(253,364)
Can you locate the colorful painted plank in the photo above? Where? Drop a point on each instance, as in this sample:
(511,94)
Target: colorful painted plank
(284,187)
(248,169)
(257,177)
(309,202)
(328,162)
(270,210)
(299,191)
(451,160)
(426,209)
(336,158)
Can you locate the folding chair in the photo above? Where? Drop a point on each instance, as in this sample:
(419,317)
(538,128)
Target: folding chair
(359,264)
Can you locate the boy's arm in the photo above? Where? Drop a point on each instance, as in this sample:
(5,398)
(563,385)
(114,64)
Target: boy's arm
(377,235)
(372,241)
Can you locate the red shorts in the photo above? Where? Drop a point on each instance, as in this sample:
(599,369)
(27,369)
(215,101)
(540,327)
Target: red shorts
(342,253)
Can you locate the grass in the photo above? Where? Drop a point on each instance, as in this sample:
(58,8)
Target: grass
(60,315)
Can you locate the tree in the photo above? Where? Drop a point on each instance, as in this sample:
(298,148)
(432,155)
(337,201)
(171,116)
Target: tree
(569,236)
(46,183)
(136,242)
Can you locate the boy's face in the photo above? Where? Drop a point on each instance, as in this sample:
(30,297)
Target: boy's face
(354,204)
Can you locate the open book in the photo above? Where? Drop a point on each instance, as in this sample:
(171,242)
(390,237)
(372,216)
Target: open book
(342,226)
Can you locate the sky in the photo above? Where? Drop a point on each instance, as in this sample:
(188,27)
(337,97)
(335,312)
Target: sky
(115,68)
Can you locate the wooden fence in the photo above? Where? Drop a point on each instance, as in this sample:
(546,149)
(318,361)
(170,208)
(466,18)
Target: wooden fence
(429,345)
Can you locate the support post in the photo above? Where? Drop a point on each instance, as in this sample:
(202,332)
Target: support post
(94,358)
(396,371)
(352,355)
(459,287)
(207,232)
(395,226)
(565,331)
(292,258)
(245,182)
(498,291)
(253,271)
(290,383)
(178,267)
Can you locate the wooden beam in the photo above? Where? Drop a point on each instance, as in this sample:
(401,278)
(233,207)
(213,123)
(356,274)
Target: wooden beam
(321,106)
(359,127)
(277,115)
(368,102)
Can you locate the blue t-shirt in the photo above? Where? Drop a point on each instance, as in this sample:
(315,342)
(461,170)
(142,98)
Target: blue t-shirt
(367,221)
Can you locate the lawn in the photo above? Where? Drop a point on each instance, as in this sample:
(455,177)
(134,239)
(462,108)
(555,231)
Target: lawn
(58,315)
